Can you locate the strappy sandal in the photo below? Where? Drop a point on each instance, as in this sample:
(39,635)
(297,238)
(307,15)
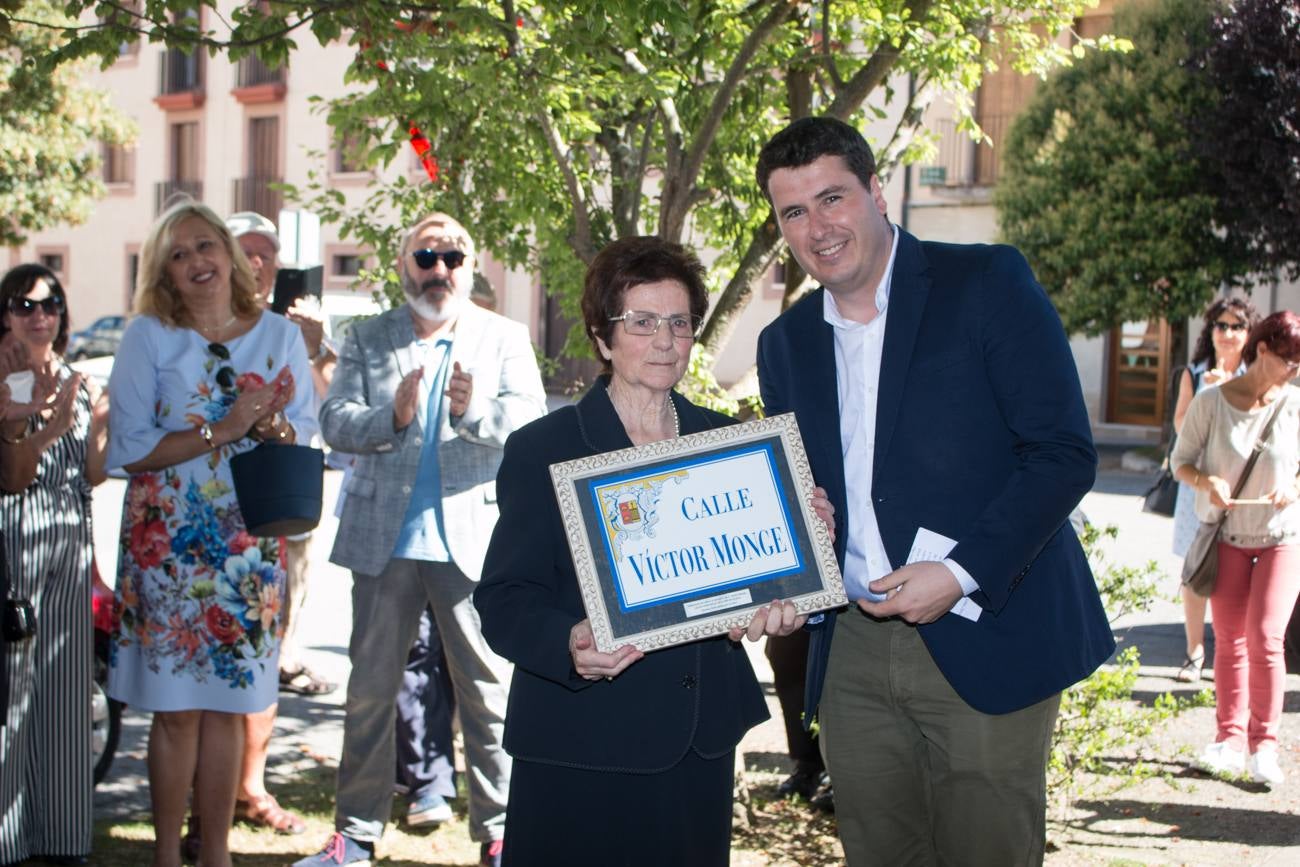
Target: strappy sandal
(304,681)
(1191,670)
(265,810)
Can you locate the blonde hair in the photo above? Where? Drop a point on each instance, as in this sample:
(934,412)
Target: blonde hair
(155,296)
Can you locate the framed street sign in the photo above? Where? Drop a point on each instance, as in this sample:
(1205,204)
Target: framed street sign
(683,539)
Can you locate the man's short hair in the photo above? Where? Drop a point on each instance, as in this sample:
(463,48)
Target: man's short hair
(445,222)
(808,139)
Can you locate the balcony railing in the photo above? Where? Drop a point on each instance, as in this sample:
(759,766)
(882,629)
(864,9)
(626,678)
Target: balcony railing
(251,71)
(166,193)
(962,162)
(180,72)
(255,194)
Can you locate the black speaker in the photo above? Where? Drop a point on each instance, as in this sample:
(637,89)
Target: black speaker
(293,283)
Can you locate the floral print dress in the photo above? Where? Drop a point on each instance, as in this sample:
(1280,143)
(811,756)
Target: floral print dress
(200,598)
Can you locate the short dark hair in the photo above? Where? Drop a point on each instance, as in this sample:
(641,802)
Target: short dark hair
(809,138)
(1280,332)
(629,262)
(1237,305)
(19,281)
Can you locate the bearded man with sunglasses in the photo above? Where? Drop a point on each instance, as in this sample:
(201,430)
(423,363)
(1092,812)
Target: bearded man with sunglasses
(425,396)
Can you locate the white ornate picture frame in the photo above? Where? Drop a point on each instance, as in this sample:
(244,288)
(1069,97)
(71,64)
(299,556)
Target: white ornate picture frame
(685,538)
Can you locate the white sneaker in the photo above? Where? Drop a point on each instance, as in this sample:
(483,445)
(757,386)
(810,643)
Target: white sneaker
(1221,759)
(1265,769)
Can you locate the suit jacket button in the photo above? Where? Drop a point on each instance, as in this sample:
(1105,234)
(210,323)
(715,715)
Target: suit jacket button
(689,681)
(406,489)
(419,441)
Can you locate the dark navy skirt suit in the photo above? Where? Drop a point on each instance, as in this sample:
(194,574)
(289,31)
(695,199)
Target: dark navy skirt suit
(637,770)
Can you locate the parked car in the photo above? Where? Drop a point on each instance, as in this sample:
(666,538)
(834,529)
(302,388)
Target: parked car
(102,338)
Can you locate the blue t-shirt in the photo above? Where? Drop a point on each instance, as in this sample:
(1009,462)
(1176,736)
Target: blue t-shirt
(422,536)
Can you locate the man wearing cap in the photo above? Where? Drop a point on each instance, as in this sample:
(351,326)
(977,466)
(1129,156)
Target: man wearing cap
(424,395)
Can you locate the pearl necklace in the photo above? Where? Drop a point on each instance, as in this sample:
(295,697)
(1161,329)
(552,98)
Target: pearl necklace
(206,329)
(677,423)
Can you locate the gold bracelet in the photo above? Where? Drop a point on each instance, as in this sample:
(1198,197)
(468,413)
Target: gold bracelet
(205,431)
(272,430)
(22,435)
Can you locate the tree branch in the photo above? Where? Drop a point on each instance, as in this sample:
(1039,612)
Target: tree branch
(855,91)
(581,240)
(680,177)
(758,257)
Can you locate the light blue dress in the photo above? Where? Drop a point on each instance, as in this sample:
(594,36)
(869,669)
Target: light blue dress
(200,598)
(1185,520)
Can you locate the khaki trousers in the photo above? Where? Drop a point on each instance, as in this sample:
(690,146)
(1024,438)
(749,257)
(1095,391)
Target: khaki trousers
(920,777)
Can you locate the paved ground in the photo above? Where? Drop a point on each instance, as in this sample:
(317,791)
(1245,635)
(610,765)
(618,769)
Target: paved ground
(1116,829)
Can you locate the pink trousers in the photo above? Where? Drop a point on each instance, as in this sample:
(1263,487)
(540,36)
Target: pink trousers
(1252,601)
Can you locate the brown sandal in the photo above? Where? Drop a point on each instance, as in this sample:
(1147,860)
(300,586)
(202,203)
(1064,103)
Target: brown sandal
(265,810)
(304,681)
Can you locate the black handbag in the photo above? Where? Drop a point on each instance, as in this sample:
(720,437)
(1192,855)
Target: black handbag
(1159,499)
(17,620)
(1201,566)
(279,488)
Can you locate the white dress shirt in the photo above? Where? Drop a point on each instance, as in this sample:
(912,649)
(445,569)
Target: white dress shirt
(858,351)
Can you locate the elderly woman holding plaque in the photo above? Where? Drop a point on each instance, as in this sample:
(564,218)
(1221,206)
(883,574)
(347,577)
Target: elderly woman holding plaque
(621,757)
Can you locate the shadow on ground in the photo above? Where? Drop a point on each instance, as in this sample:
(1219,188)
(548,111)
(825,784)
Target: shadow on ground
(1190,822)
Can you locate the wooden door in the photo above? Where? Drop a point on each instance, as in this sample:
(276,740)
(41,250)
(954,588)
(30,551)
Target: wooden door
(1138,373)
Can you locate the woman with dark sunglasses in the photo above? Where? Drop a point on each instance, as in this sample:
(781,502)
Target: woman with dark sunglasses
(51,453)
(1216,359)
(202,375)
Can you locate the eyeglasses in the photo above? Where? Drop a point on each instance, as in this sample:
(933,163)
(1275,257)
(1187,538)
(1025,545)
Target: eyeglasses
(225,373)
(643,323)
(24,307)
(1225,327)
(426,259)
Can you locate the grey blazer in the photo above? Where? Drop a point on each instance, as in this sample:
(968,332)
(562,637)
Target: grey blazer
(357,417)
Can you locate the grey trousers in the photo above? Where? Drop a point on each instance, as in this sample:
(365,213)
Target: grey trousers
(385,618)
(921,778)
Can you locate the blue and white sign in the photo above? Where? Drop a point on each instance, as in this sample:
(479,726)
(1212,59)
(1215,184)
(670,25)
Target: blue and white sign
(685,538)
(697,528)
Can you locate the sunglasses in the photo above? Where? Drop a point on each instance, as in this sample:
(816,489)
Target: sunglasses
(24,307)
(225,373)
(1226,327)
(426,258)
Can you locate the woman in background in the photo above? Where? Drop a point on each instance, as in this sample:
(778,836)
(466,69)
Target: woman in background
(1259,544)
(1216,359)
(53,452)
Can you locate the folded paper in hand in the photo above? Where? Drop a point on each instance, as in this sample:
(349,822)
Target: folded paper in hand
(929,546)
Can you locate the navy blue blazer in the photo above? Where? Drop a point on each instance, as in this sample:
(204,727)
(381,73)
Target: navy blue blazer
(981,435)
(702,695)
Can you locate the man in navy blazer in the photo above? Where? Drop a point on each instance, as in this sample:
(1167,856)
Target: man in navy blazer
(941,410)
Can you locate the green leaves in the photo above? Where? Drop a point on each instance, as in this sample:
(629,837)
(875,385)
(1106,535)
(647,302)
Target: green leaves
(560,124)
(51,131)
(1100,188)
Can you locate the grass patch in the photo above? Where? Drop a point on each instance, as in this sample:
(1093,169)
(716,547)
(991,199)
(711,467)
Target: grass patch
(311,795)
